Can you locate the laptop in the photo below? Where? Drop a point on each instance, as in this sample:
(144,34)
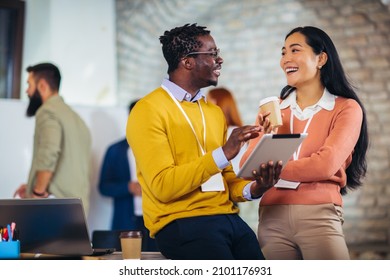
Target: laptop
(54,226)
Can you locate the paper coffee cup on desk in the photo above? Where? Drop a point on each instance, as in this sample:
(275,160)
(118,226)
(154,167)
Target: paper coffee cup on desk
(131,243)
(271,104)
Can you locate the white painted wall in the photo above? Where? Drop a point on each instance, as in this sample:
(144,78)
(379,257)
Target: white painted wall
(79,37)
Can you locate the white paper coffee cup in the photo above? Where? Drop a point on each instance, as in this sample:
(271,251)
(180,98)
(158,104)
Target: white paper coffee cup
(271,104)
(131,243)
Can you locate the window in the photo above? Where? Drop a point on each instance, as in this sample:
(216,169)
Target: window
(11,44)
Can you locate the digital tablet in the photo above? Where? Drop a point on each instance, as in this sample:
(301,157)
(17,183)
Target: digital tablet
(273,147)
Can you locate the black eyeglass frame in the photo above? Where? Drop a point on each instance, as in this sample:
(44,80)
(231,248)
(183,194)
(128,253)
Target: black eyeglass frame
(214,54)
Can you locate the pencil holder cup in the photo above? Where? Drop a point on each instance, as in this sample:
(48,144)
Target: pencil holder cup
(10,250)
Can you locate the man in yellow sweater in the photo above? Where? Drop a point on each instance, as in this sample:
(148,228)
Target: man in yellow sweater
(189,188)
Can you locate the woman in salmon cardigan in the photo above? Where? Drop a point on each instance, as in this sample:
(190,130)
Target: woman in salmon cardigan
(304,220)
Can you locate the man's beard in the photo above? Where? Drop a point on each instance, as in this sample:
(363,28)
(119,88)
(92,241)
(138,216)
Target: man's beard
(35,103)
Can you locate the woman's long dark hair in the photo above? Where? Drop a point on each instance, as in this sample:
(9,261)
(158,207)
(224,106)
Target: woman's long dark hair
(335,81)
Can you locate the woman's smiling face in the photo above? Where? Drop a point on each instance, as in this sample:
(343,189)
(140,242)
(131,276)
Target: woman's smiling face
(298,61)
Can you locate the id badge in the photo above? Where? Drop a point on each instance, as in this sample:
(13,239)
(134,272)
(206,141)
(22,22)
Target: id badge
(214,184)
(287,184)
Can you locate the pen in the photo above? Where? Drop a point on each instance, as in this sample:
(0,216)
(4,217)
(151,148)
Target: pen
(9,233)
(13,225)
(15,235)
(5,234)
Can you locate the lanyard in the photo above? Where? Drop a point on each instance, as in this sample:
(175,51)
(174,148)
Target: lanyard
(189,121)
(296,153)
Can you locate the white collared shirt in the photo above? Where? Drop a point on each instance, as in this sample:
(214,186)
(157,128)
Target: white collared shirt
(327,102)
(180,94)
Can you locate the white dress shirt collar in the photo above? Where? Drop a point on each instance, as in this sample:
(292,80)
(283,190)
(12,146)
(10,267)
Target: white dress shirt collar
(179,93)
(327,102)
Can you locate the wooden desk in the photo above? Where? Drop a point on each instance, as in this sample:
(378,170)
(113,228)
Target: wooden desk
(118,256)
(113,256)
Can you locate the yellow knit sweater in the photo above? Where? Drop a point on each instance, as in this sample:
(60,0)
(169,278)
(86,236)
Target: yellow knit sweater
(170,164)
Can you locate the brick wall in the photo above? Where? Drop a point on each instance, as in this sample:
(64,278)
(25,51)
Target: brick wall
(250,34)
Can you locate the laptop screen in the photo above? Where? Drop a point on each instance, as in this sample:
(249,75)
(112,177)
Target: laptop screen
(48,226)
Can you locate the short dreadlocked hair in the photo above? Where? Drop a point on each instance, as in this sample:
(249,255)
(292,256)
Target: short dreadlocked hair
(179,41)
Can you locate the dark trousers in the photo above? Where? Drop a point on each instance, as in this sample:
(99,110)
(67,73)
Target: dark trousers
(216,237)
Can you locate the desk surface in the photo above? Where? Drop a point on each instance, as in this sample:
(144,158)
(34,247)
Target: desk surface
(118,256)
(113,256)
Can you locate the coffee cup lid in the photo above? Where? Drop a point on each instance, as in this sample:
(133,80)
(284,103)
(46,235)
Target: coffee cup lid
(268,99)
(131,234)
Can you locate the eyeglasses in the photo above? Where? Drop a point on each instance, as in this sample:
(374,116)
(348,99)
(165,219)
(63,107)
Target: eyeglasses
(214,54)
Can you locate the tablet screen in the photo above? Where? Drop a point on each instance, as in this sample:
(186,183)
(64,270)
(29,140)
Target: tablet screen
(273,147)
